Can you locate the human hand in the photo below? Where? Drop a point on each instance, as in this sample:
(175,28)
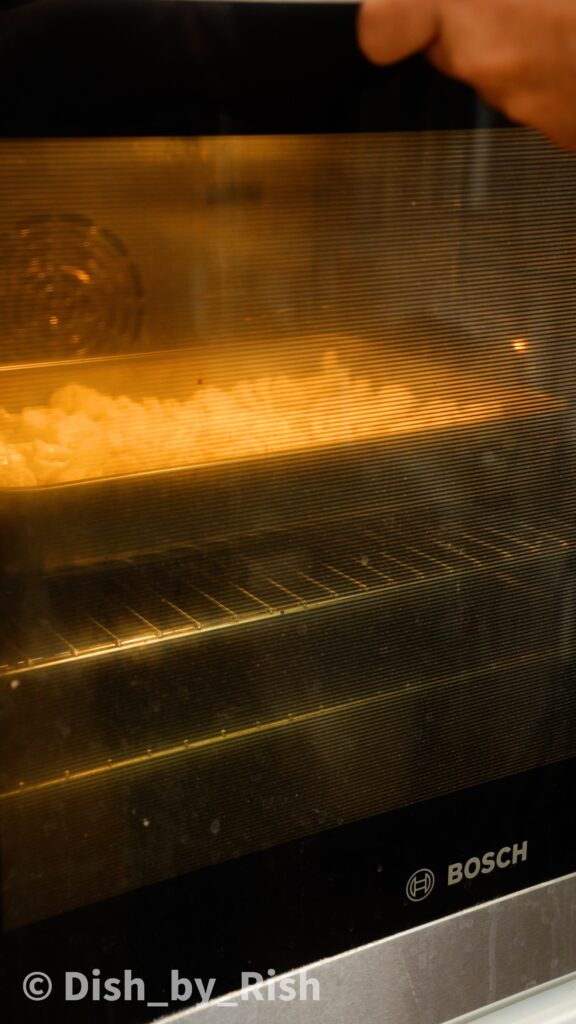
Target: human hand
(520,55)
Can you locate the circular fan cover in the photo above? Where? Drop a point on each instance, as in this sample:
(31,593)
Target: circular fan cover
(67,289)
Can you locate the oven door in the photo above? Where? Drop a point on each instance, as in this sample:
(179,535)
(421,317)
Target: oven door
(287,528)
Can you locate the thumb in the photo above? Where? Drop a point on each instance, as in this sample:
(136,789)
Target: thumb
(390,30)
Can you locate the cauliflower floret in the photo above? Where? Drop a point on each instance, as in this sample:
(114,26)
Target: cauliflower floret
(75,398)
(83,434)
(15,470)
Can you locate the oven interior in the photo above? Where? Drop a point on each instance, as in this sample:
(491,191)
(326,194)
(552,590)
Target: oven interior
(286,455)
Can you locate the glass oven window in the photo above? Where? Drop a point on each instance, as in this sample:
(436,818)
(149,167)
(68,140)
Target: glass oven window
(286,457)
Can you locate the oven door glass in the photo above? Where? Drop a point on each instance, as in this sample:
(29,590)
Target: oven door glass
(286,492)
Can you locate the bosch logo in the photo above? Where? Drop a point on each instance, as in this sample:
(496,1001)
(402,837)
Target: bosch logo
(485,864)
(420,885)
(422,882)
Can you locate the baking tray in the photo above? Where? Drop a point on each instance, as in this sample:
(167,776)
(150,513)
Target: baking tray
(44,529)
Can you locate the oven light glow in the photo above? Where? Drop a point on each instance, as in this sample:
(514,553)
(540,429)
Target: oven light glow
(520,345)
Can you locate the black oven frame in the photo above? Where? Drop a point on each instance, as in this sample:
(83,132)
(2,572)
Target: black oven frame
(160,68)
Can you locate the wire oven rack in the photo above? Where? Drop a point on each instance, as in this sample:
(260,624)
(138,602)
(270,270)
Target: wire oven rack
(69,617)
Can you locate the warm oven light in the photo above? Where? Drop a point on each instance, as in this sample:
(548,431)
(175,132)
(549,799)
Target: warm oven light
(520,345)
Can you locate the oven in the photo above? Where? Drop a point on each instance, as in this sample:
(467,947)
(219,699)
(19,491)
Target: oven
(287,533)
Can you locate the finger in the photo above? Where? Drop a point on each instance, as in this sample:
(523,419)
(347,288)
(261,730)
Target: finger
(389,30)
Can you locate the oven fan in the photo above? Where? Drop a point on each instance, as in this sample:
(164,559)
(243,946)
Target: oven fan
(68,289)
